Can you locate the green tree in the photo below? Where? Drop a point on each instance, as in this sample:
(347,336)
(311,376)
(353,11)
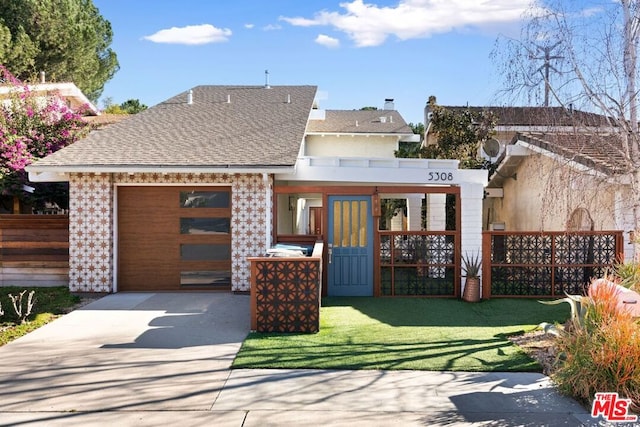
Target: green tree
(458,135)
(67,39)
(132,106)
(417,128)
(410,150)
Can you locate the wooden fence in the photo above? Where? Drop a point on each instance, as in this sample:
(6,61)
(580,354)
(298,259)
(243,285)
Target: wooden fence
(34,250)
(546,264)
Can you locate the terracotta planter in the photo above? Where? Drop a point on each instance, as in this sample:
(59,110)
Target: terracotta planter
(471,289)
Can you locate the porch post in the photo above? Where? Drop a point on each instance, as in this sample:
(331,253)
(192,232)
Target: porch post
(623,215)
(471,196)
(414,212)
(437,211)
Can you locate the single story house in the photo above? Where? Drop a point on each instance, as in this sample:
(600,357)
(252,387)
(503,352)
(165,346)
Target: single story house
(556,169)
(178,196)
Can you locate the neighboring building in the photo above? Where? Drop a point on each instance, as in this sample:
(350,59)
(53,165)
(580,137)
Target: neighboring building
(62,94)
(69,92)
(178,196)
(557,169)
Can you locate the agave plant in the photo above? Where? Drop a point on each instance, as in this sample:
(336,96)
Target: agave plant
(578,304)
(471,264)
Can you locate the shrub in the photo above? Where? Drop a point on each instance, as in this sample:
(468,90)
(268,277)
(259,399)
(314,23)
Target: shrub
(23,309)
(601,354)
(628,274)
(32,127)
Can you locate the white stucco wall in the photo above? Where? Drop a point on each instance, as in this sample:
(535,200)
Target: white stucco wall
(92,213)
(544,193)
(369,146)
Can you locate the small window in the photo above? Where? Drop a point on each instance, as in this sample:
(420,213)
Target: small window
(205,278)
(204,252)
(204,199)
(205,225)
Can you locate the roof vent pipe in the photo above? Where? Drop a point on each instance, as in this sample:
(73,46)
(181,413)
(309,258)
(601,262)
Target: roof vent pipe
(390,119)
(42,77)
(190,97)
(266,79)
(229,99)
(289,98)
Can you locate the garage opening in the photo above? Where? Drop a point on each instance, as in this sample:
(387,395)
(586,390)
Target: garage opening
(174,238)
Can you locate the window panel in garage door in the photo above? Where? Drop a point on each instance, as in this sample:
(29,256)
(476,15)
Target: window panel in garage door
(205,248)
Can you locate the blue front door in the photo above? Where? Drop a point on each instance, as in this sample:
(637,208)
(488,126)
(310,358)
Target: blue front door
(350,241)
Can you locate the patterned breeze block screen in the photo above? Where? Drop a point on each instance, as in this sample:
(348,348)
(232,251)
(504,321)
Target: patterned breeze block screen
(285,294)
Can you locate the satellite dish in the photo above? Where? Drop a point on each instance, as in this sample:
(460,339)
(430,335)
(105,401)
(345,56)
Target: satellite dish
(491,147)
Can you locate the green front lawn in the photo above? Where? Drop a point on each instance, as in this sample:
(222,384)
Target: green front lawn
(406,333)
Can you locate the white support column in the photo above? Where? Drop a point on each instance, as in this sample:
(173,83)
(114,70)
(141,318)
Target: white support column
(397,221)
(437,212)
(414,212)
(268,197)
(471,196)
(623,214)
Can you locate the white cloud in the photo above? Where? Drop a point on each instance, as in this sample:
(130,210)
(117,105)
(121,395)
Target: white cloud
(591,11)
(327,41)
(249,26)
(272,27)
(370,25)
(191,35)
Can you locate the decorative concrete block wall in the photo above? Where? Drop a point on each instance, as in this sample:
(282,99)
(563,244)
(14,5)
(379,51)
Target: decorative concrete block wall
(90,233)
(91,223)
(286,293)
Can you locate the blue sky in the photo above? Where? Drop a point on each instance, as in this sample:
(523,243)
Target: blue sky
(358,52)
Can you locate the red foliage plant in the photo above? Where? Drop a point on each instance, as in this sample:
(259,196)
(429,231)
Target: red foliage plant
(603,353)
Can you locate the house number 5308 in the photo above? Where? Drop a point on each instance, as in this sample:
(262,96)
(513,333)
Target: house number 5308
(440,176)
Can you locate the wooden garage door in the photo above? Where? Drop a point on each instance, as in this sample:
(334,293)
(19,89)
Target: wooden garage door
(173,238)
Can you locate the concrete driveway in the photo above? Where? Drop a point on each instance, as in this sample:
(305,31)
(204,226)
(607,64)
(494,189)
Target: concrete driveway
(136,352)
(146,359)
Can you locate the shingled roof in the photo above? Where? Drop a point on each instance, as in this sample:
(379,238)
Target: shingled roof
(360,121)
(600,152)
(540,116)
(223,127)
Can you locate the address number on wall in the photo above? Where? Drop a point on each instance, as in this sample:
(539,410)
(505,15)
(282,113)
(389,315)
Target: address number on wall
(440,176)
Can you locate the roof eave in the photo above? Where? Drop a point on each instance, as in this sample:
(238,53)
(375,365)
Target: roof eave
(51,173)
(368,134)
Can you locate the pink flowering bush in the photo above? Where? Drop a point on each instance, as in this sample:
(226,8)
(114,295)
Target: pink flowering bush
(33,126)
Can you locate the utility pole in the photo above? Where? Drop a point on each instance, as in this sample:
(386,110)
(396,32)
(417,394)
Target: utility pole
(546,66)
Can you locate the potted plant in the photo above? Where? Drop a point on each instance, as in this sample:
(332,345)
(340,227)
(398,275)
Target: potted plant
(471,264)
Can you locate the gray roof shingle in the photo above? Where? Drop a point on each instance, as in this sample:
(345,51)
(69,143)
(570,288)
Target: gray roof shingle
(360,121)
(259,127)
(601,152)
(540,116)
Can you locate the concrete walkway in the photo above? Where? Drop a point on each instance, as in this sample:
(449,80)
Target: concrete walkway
(146,359)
